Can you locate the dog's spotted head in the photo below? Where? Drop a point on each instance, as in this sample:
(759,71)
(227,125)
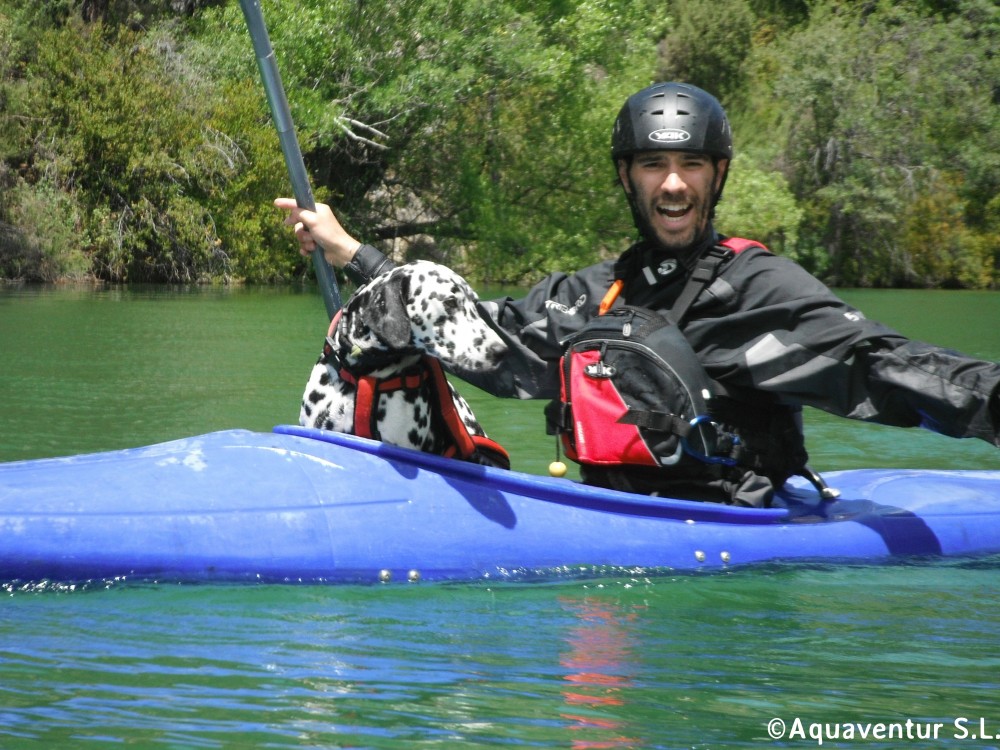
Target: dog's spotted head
(420,307)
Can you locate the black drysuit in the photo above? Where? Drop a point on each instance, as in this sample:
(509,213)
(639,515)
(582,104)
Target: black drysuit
(764,323)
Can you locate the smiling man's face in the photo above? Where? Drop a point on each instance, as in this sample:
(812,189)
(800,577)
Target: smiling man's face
(673,192)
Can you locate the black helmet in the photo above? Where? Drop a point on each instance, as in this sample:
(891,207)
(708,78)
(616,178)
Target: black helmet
(672,117)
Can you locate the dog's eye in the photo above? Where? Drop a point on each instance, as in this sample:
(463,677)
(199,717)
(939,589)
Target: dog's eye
(451,304)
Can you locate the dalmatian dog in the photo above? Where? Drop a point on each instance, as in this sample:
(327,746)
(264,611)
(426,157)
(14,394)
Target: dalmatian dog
(384,334)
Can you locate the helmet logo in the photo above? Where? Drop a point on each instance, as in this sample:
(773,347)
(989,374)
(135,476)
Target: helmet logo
(669,135)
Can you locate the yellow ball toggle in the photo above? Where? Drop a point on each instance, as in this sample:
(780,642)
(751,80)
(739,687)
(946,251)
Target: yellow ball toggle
(557,469)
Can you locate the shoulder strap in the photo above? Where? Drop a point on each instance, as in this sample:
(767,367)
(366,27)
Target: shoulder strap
(702,275)
(705,270)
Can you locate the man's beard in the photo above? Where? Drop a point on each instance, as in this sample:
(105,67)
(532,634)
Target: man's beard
(676,245)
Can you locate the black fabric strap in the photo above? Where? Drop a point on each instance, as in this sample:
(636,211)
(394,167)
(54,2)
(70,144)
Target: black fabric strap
(656,421)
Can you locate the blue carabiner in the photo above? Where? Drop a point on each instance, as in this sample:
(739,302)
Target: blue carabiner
(697,422)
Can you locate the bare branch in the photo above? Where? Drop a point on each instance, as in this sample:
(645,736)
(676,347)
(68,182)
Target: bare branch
(343,123)
(369,128)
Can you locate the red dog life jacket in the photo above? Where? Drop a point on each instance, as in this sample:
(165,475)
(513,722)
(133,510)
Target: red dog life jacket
(457,440)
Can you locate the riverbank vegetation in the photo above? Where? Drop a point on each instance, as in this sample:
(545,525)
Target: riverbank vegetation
(137,145)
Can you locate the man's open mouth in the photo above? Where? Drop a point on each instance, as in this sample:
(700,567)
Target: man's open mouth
(674,210)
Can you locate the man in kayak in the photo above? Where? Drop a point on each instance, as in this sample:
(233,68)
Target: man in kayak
(770,333)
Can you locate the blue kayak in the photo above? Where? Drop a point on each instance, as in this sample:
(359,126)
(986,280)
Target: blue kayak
(305,505)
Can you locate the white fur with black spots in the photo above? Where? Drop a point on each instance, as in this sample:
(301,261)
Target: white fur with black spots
(386,327)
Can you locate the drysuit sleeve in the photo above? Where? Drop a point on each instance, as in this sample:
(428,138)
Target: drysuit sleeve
(535,328)
(766,323)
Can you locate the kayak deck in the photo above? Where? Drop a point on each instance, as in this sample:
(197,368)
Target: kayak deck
(301,504)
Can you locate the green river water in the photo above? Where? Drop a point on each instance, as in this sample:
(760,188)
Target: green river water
(902,656)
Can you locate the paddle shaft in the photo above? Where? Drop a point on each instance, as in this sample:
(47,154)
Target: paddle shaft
(282,117)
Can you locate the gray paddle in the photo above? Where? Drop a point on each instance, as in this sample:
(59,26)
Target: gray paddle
(282,117)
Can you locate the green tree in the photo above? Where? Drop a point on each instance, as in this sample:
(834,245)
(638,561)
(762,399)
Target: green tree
(876,105)
(476,132)
(758,203)
(136,139)
(707,46)
(130,148)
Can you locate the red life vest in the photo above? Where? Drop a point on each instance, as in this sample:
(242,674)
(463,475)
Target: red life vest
(633,392)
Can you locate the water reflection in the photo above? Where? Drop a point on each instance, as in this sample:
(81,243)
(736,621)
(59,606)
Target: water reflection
(600,659)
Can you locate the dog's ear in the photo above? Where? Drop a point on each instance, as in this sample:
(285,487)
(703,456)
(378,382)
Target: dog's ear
(386,313)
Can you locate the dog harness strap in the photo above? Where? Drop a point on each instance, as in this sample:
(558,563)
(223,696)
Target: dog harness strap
(465,445)
(495,453)
(364,403)
(407,381)
(366,397)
